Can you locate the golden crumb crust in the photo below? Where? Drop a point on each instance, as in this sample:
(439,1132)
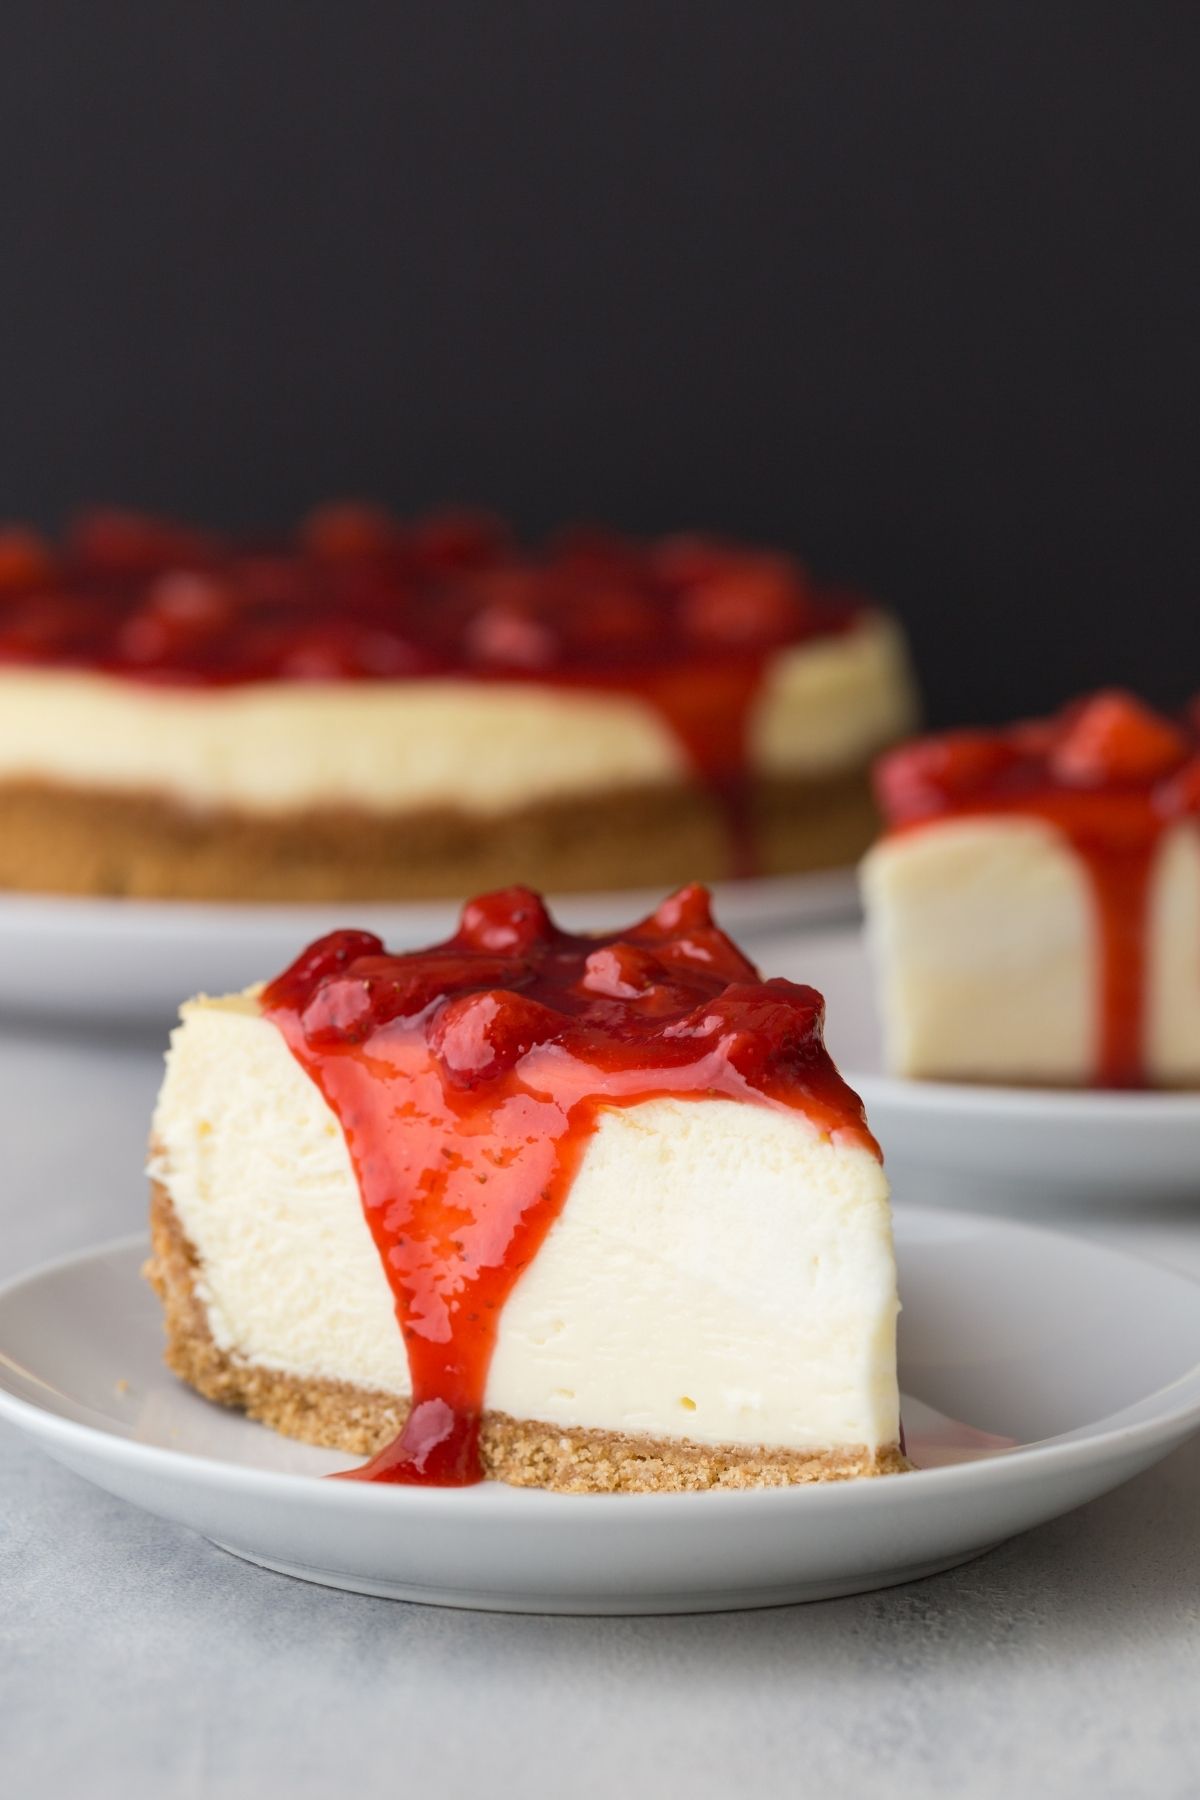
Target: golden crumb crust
(57,839)
(523,1452)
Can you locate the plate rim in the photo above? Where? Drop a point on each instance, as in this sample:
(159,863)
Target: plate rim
(1064,1450)
(1098,1107)
(165,910)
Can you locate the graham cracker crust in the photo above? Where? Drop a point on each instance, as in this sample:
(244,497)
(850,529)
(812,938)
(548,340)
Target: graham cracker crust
(56,839)
(522,1452)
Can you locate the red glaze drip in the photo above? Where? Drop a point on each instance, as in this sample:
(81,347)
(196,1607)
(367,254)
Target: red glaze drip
(687,624)
(468,1079)
(1110,775)
(708,706)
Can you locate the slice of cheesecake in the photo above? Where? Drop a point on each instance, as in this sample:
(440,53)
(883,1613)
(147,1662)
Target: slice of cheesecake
(371,709)
(587,1213)
(1034,908)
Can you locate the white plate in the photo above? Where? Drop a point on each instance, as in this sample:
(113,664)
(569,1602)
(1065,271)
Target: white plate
(1087,1360)
(1002,1147)
(135,960)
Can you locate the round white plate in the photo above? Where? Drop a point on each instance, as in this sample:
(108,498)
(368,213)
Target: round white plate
(1083,1365)
(1003,1147)
(135,960)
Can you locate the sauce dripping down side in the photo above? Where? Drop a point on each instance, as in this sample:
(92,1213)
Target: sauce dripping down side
(1108,774)
(469,1078)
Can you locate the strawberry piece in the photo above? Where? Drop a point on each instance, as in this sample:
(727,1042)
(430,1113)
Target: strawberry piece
(184,612)
(325,957)
(349,529)
(112,543)
(622,972)
(193,601)
(612,622)
(26,560)
(322,653)
(481,1036)
(458,539)
(508,638)
(959,766)
(510,919)
(342,650)
(280,582)
(753,600)
(591,555)
(41,626)
(508,627)
(376,989)
(685,935)
(1181,796)
(1114,738)
(688,559)
(687,909)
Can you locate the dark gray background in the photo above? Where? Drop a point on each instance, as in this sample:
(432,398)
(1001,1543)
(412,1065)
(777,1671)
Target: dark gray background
(909,287)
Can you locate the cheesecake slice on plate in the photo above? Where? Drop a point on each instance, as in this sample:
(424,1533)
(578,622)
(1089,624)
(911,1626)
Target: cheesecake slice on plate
(1034,906)
(584,1213)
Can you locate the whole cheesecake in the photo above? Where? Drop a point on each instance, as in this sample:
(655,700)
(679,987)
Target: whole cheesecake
(377,710)
(1034,906)
(586,1213)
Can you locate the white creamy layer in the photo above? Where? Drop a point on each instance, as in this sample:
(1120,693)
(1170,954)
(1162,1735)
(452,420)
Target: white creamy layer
(985,942)
(483,747)
(718,1272)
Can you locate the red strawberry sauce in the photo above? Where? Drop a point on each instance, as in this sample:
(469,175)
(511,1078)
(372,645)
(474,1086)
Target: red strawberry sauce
(1111,776)
(468,1079)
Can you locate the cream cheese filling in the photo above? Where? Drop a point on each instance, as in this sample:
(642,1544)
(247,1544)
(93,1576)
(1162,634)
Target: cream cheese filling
(719,1271)
(480,747)
(984,936)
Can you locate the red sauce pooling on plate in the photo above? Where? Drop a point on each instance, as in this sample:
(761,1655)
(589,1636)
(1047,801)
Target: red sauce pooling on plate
(687,624)
(1111,776)
(468,1079)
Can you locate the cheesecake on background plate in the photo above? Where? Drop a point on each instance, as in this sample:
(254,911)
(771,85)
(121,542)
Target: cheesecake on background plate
(374,710)
(1034,906)
(584,1213)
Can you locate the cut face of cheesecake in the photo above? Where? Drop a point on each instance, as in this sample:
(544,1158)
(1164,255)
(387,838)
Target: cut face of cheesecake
(1034,909)
(581,1213)
(377,710)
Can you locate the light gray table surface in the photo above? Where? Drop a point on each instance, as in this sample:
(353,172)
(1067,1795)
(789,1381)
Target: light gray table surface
(140,1663)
